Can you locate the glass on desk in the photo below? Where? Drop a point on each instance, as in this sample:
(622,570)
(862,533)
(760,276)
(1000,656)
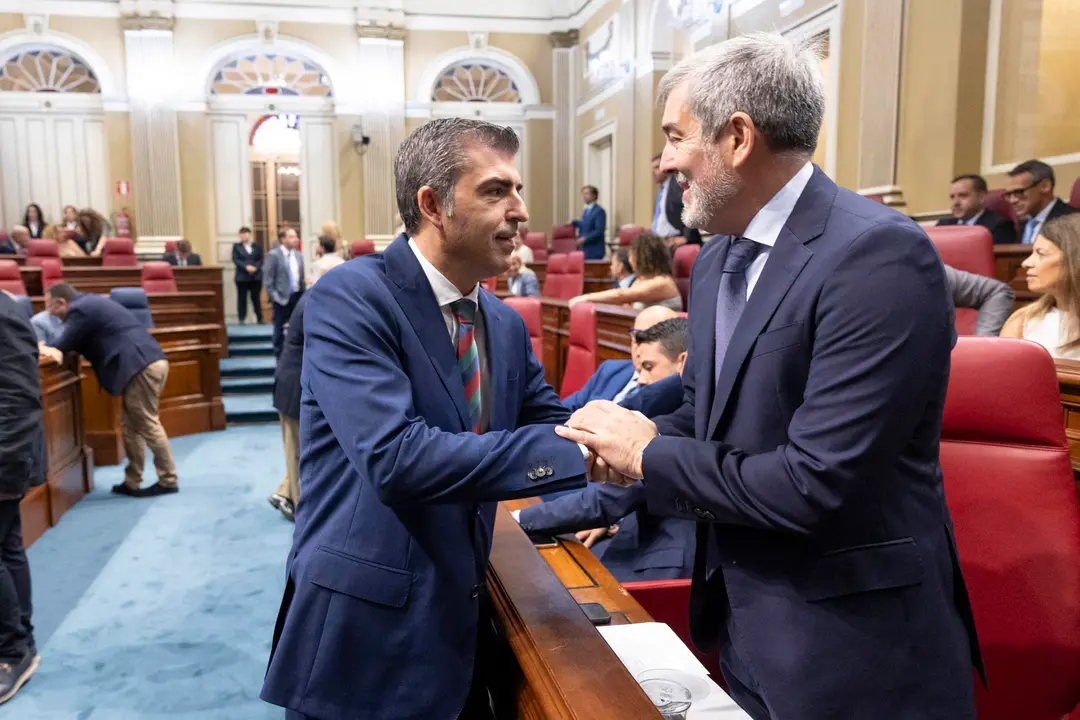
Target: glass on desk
(668,696)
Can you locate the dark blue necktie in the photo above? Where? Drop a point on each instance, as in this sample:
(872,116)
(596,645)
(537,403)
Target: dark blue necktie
(731,299)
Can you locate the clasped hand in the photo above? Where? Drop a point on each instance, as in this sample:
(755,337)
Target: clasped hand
(616,439)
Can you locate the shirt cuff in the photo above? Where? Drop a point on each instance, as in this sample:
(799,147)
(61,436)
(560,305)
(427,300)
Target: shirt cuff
(584,451)
(517,516)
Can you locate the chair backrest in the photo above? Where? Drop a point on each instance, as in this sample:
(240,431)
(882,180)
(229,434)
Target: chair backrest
(581,355)
(563,231)
(574,282)
(170,247)
(1074,196)
(157,277)
(563,244)
(969,248)
(668,602)
(682,265)
(11,278)
(359,248)
(537,242)
(118,252)
(1010,491)
(553,279)
(996,202)
(532,311)
(52,272)
(39,250)
(627,233)
(491,283)
(135,300)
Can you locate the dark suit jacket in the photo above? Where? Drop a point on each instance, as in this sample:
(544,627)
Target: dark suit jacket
(660,398)
(381,612)
(287,374)
(812,467)
(111,339)
(193,259)
(241,259)
(22,435)
(1002,229)
(592,227)
(604,384)
(9,247)
(1060,208)
(673,209)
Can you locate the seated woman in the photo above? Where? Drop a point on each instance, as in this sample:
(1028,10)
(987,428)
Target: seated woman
(654,283)
(65,240)
(1053,270)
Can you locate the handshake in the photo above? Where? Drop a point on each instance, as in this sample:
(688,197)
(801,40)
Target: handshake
(615,438)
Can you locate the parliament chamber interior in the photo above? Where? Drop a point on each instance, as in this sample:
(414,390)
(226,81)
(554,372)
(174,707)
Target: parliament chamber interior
(164,162)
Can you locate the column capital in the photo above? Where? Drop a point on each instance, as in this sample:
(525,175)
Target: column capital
(565,39)
(134,22)
(371,31)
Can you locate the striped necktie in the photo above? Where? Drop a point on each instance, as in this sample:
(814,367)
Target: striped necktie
(468,357)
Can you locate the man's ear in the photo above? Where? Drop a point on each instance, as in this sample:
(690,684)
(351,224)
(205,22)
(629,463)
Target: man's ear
(680,362)
(429,206)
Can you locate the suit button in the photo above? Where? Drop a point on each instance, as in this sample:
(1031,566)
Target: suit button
(532,474)
(548,471)
(476,590)
(704,514)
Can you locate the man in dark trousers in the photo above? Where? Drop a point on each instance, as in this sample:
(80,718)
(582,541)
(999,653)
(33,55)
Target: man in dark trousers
(129,363)
(284,275)
(287,403)
(22,466)
(247,256)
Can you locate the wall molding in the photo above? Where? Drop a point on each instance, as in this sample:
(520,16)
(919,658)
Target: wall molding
(608,91)
(595,134)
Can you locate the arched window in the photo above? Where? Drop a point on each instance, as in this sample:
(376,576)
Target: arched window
(276,135)
(271,74)
(47,69)
(472,81)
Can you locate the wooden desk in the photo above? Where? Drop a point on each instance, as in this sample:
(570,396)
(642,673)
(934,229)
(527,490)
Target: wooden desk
(1007,260)
(554,662)
(191,402)
(613,324)
(177,309)
(1068,372)
(70,461)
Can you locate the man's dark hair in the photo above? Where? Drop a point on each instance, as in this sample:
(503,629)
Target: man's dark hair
(183,246)
(328,244)
(284,229)
(61,291)
(977,181)
(435,155)
(672,334)
(593,190)
(623,253)
(1037,168)
(244,229)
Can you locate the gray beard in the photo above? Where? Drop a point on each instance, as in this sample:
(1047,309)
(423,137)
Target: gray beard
(710,195)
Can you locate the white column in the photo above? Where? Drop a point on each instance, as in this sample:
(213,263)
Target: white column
(564,64)
(879,99)
(232,192)
(155,154)
(382,63)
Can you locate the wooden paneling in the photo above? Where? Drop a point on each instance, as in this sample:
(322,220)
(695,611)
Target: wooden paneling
(193,307)
(1068,372)
(1007,260)
(613,324)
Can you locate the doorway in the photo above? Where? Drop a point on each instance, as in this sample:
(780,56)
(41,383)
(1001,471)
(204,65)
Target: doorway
(275,177)
(600,171)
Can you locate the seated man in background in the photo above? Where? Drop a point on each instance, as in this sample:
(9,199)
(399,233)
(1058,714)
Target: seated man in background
(617,380)
(622,274)
(129,363)
(183,257)
(47,327)
(967,198)
(520,280)
(15,244)
(643,546)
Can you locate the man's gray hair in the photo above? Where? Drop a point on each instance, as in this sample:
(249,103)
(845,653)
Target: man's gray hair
(773,80)
(435,155)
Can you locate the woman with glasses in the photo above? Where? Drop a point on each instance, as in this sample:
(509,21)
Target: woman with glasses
(654,282)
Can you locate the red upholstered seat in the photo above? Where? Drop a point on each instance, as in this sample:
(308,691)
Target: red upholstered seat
(359,248)
(574,282)
(969,248)
(581,354)
(491,283)
(118,252)
(627,233)
(563,239)
(668,601)
(553,280)
(537,242)
(10,278)
(563,231)
(52,271)
(170,247)
(533,313)
(157,277)
(996,202)
(38,250)
(682,265)
(1009,487)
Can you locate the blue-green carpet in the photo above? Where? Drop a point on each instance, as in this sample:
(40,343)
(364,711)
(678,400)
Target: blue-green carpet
(163,609)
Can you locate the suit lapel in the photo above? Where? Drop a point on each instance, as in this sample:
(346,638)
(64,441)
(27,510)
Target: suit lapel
(417,301)
(498,364)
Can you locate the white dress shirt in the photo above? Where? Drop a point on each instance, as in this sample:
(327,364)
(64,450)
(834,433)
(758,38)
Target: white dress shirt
(627,389)
(294,270)
(765,227)
(445,291)
(1040,220)
(974,218)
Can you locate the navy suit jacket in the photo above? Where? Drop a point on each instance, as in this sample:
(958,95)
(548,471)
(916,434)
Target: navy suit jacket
(604,384)
(591,227)
(193,260)
(241,259)
(659,398)
(1002,230)
(289,365)
(394,528)
(111,339)
(825,550)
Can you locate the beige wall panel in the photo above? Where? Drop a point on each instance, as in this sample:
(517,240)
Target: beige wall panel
(351,179)
(847,150)
(192,38)
(535,52)
(11,21)
(196,187)
(104,36)
(421,49)
(118,142)
(540,164)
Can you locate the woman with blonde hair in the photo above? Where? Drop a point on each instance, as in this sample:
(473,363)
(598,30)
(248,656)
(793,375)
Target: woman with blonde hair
(654,282)
(65,241)
(1053,271)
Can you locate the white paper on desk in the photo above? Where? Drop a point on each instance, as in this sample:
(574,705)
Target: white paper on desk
(651,646)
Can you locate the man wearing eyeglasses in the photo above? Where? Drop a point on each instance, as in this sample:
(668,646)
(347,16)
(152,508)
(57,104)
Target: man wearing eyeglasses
(1030,191)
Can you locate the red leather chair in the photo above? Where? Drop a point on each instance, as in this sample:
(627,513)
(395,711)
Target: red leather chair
(119,252)
(879,198)
(553,280)
(170,247)
(359,248)
(39,250)
(996,202)
(491,283)
(563,231)
(627,233)
(682,265)
(563,239)
(969,248)
(574,282)
(668,601)
(537,242)
(581,354)
(1009,487)
(11,278)
(1074,196)
(157,277)
(52,271)
(532,311)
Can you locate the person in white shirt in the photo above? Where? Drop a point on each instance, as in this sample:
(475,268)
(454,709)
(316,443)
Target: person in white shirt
(520,280)
(326,257)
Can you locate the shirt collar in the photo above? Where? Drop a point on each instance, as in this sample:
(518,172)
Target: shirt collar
(589,207)
(765,227)
(974,218)
(1041,217)
(445,291)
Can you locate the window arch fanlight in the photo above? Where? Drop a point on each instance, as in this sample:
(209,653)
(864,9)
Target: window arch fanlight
(475,81)
(47,68)
(271,74)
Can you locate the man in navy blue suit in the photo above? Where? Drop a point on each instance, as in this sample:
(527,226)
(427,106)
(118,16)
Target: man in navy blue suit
(806,447)
(592,226)
(422,406)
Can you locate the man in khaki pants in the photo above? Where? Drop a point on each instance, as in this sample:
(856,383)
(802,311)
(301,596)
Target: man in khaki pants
(129,363)
(287,403)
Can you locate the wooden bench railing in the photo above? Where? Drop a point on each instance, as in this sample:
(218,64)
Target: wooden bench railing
(1007,260)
